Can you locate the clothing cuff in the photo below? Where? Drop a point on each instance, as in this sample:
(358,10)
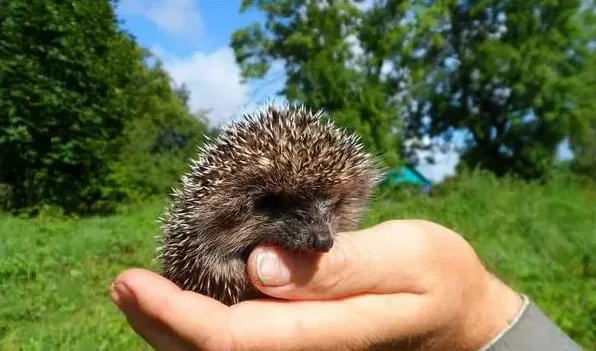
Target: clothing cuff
(531,330)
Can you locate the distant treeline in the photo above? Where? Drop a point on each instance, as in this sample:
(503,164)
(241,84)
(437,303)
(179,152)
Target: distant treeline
(86,123)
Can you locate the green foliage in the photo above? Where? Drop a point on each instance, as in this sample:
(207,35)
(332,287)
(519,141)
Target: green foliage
(585,152)
(62,67)
(85,122)
(158,140)
(54,273)
(510,73)
(312,38)
(583,138)
(515,76)
(5,197)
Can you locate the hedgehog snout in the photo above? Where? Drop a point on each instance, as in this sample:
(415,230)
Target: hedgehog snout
(311,236)
(320,239)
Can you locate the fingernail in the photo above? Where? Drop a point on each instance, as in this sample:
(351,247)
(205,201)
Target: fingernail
(271,270)
(119,293)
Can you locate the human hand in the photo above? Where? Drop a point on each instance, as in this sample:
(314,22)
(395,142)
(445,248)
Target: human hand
(400,285)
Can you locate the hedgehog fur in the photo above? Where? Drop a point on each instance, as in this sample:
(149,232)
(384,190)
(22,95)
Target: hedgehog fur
(284,176)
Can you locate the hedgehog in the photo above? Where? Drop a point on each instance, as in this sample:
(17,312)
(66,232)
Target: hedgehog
(284,176)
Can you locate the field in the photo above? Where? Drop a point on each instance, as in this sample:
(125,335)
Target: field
(55,272)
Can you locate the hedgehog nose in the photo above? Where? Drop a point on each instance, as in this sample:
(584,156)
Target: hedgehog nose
(322,241)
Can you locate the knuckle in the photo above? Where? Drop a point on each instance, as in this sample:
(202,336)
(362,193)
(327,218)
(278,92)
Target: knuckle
(333,273)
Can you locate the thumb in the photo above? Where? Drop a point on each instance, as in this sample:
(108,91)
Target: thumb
(384,259)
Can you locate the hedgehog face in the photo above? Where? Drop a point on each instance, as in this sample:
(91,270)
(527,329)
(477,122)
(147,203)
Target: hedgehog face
(295,222)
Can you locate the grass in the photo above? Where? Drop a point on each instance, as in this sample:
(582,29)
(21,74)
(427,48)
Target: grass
(54,273)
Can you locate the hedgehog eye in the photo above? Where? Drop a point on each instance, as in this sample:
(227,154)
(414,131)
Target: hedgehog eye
(270,203)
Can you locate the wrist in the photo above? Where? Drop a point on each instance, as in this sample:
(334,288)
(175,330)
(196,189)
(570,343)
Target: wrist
(495,309)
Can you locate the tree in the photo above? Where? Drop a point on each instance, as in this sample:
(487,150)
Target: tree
(506,74)
(583,135)
(159,139)
(183,93)
(316,41)
(84,122)
(584,148)
(62,66)
(511,74)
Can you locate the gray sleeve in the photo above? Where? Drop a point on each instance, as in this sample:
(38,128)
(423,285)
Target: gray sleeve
(532,330)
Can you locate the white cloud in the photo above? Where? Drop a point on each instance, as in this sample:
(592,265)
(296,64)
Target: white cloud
(178,17)
(213,79)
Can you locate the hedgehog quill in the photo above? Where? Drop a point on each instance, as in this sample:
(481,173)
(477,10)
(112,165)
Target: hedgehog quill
(283,176)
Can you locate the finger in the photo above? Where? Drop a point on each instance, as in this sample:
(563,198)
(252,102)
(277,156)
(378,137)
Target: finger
(387,258)
(154,333)
(354,323)
(163,313)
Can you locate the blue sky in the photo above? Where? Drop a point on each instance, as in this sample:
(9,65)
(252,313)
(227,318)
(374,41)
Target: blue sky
(192,39)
